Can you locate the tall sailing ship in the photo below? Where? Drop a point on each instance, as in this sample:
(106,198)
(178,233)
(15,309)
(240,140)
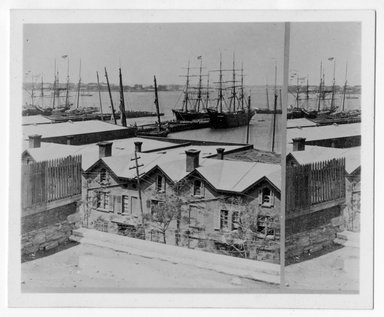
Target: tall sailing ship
(238,114)
(194,107)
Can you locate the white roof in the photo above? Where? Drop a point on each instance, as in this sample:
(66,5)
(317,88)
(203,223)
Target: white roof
(69,128)
(324,132)
(313,154)
(302,122)
(237,176)
(38,119)
(234,176)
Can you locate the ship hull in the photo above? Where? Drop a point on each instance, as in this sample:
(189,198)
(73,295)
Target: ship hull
(224,120)
(189,115)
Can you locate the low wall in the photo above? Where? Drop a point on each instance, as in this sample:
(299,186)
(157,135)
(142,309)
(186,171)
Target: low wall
(312,232)
(256,270)
(48,229)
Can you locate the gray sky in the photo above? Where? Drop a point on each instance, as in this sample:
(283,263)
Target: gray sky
(144,50)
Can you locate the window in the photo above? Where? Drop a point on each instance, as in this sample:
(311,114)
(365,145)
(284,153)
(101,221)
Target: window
(235,220)
(103,175)
(196,217)
(197,188)
(160,184)
(103,200)
(125,204)
(135,206)
(265,225)
(155,204)
(266,198)
(224,219)
(101,225)
(355,201)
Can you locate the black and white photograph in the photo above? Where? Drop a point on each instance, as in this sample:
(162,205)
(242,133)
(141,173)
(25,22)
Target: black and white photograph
(178,152)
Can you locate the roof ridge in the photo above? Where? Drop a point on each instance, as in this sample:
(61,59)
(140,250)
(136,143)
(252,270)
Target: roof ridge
(245,174)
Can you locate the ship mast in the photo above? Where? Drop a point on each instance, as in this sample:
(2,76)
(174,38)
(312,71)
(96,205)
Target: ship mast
(345,85)
(207,94)
(122,104)
(320,86)
(333,86)
(197,106)
(220,99)
(157,105)
(234,84)
(307,93)
(42,91)
(54,86)
(78,87)
(242,87)
(266,91)
(110,96)
(67,88)
(101,105)
(297,91)
(186,96)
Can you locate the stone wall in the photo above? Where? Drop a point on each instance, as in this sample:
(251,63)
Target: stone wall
(312,232)
(48,229)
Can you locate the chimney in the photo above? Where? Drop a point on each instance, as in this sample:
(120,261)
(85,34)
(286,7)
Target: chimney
(220,153)
(70,139)
(34,141)
(298,144)
(105,149)
(138,145)
(192,159)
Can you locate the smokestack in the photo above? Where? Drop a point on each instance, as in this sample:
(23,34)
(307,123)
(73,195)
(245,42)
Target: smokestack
(34,141)
(298,144)
(220,153)
(70,139)
(192,161)
(138,145)
(105,149)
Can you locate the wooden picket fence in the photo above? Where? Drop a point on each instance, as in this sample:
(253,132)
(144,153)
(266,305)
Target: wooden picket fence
(311,184)
(47,181)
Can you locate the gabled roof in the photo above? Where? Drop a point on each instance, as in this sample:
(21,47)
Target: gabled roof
(237,176)
(230,176)
(313,154)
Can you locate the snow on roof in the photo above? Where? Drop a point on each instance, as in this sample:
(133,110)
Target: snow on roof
(324,132)
(38,119)
(224,175)
(238,176)
(313,154)
(302,122)
(69,128)
(50,151)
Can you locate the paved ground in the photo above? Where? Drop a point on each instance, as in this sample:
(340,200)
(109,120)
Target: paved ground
(334,271)
(91,268)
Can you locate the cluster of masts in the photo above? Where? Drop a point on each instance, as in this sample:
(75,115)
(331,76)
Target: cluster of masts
(322,93)
(230,93)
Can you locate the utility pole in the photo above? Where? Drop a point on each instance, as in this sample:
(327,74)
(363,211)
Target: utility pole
(136,167)
(157,105)
(274,112)
(101,105)
(345,86)
(110,96)
(78,87)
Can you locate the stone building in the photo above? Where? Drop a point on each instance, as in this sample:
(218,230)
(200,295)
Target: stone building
(213,195)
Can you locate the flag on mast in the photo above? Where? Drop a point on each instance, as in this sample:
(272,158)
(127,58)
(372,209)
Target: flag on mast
(64,56)
(331,58)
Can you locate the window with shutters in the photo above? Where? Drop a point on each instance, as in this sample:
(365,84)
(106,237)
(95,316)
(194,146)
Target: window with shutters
(155,204)
(235,220)
(265,225)
(196,217)
(160,184)
(125,204)
(102,201)
(224,219)
(198,188)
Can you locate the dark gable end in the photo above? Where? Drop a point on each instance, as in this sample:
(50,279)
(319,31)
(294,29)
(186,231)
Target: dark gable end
(97,166)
